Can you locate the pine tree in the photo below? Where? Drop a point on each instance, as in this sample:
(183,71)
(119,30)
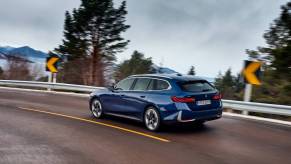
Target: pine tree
(228,79)
(276,77)
(92,34)
(192,71)
(279,34)
(278,37)
(228,85)
(76,66)
(137,64)
(218,81)
(74,45)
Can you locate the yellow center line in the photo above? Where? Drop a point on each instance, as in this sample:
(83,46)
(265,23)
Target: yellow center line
(99,123)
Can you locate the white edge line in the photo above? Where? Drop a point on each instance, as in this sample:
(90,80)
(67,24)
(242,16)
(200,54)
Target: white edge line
(257,118)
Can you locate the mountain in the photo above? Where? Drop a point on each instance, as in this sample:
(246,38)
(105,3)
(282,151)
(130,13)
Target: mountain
(6,49)
(25,52)
(2,55)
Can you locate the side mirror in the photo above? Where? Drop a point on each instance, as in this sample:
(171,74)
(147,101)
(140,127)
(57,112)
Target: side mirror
(111,88)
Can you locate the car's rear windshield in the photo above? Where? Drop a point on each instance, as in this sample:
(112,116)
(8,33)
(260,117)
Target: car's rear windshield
(196,86)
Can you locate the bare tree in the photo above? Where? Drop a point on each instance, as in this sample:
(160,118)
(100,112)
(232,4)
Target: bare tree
(1,73)
(36,71)
(17,68)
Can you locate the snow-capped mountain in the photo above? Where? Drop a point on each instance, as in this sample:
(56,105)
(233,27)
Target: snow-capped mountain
(25,52)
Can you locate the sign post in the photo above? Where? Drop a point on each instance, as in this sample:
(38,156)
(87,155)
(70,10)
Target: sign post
(52,66)
(49,80)
(54,77)
(247,96)
(252,76)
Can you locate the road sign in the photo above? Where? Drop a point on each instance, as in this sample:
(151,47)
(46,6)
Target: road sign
(252,72)
(52,64)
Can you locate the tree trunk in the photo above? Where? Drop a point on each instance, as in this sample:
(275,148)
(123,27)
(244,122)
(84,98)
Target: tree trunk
(97,68)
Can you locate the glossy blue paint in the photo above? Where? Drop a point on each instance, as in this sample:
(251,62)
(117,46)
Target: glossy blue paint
(131,103)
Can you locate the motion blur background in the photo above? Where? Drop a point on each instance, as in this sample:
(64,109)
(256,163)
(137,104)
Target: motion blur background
(204,38)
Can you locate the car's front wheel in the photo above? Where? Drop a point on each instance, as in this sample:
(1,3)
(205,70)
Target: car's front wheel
(152,119)
(96,108)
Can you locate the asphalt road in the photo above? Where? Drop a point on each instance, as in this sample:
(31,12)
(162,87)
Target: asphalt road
(40,127)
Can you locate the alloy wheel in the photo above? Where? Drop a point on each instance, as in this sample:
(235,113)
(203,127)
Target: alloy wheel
(96,108)
(152,119)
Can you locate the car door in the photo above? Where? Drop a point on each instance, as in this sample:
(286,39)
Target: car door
(135,98)
(113,101)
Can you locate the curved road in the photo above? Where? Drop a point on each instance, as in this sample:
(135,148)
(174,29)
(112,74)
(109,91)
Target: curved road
(39,127)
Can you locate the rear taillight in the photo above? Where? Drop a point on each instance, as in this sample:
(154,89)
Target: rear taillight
(217,97)
(182,99)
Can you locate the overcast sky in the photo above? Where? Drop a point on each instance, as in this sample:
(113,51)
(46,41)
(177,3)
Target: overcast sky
(212,35)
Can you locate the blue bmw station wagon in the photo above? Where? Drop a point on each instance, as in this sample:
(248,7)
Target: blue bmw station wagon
(156,99)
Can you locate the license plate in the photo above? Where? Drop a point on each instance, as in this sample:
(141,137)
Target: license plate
(204,102)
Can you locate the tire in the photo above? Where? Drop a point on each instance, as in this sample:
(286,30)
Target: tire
(152,119)
(96,108)
(199,123)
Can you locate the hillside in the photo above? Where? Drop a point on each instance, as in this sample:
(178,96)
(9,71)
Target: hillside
(25,52)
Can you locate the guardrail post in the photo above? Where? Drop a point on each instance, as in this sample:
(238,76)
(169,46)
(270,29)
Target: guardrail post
(247,96)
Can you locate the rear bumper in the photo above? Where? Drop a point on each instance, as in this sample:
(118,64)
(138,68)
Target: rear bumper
(189,116)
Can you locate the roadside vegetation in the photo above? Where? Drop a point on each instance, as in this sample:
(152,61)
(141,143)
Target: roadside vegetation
(276,78)
(137,64)
(19,68)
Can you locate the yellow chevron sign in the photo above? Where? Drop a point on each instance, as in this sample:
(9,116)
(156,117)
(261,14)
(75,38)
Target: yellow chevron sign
(252,72)
(51,64)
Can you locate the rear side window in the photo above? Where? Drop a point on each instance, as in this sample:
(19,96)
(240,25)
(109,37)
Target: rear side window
(151,85)
(124,84)
(196,86)
(156,84)
(141,84)
(161,85)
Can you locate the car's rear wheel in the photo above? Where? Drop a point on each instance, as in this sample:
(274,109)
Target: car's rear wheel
(152,119)
(96,108)
(199,123)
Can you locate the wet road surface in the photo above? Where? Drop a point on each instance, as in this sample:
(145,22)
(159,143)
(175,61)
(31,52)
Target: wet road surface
(38,127)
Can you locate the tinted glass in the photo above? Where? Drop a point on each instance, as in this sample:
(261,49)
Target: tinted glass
(124,84)
(151,85)
(161,85)
(196,86)
(141,84)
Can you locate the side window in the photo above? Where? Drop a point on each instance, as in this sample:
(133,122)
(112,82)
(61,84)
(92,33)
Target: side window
(161,85)
(124,84)
(158,85)
(151,85)
(141,84)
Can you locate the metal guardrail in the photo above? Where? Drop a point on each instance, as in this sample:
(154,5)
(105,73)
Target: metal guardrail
(236,105)
(258,107)
(49,86)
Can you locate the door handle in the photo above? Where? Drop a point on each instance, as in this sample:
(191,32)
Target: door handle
(122,95)
(142,96)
